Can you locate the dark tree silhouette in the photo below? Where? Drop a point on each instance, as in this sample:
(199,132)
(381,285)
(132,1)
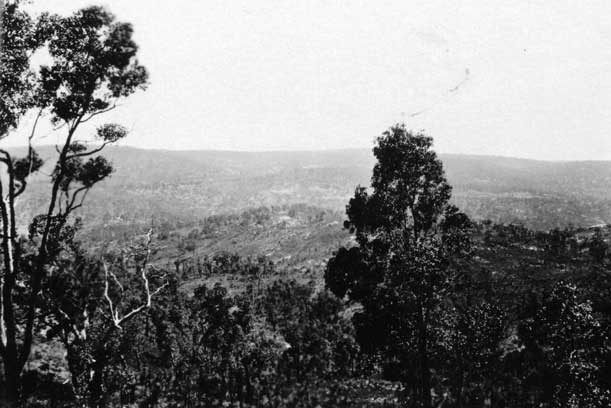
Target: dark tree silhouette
(406,232)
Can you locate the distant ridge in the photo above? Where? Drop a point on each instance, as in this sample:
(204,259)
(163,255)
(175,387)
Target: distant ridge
(359,150)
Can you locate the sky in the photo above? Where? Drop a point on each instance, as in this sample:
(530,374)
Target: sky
(515,78)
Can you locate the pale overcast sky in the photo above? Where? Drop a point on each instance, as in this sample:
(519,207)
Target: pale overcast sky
(515,78)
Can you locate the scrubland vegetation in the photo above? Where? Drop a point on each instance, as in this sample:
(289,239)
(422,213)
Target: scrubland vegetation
(411,297)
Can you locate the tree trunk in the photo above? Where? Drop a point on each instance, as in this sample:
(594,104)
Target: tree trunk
(425,373)
(96,387)
(8,327)
(11,377)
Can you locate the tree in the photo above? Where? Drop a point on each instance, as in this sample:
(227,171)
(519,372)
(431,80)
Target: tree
(406,233)
(19,38)
(563,348)
(597,247)
(95,304)
(93,66)
(475,355)
(319,339)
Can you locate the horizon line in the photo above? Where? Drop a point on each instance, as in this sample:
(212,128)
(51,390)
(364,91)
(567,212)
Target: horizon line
(326,150)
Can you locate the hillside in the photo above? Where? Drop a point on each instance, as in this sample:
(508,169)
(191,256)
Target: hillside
(187,186)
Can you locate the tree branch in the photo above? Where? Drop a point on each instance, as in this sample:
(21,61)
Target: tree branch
(42,249)
(22,185)
(7,156)
(89,153)
(91,116)
(114,312)
(70,205)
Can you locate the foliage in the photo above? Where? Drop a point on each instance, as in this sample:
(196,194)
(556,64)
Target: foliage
(92,66)
(405,231)
(563,348)
(20,37)
(320,339)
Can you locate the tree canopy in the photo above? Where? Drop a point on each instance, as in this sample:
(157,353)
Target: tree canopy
(92,66)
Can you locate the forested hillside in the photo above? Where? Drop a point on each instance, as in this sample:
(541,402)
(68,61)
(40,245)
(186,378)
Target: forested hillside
(254,247)
(191,185)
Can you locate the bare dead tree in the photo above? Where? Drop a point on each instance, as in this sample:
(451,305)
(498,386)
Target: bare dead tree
(115,313)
